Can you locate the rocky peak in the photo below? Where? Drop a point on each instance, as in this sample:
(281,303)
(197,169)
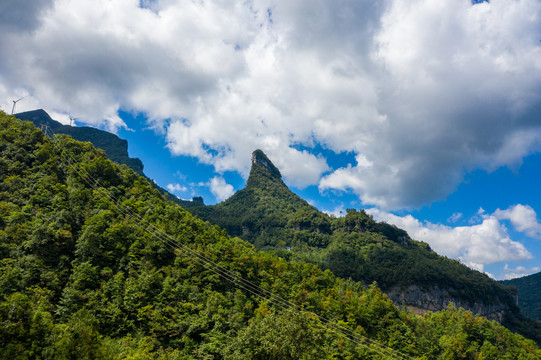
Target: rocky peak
(260,159)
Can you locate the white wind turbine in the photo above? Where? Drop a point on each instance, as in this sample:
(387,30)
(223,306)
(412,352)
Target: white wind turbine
(14,103)
(72,119)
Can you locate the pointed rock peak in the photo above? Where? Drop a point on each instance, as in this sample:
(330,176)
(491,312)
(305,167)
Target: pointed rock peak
(260,159)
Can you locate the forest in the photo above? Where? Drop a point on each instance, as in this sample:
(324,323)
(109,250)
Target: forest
(95,263)
(529,294)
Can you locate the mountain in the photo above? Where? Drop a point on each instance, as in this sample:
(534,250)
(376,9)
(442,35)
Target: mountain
(528,293)
(272,217)
(266,213)
(95,263)
(115,148)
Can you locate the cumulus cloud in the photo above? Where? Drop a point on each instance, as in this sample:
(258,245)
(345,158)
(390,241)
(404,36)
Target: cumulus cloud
(519,271)
(477,245)
(420,91)
(523,218)
(220,189)
(176,188)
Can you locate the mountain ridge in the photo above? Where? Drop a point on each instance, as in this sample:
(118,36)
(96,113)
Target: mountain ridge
(269,215)
(115,147)
(528,294)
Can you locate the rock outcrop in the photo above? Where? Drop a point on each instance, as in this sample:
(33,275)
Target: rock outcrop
(434,299)
(260,159)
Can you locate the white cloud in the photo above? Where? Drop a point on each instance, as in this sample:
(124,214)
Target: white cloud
(220,189)
(523,218)
(451,96)
(477,245)
(418,90)
(455,217)
(176,188)
(338,211)
(519,271)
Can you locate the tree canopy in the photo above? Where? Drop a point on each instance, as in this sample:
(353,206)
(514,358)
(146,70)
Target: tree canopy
(96,263)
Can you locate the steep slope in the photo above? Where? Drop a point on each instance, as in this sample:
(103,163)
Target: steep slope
(529,294)
(95,263)
(265,212)
(270,216)
(115,148)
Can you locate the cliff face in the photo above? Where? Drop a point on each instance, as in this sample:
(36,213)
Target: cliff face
(434,299)
(260,159)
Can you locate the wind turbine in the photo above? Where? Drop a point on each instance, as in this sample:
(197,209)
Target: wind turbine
(72,119)
(15,102)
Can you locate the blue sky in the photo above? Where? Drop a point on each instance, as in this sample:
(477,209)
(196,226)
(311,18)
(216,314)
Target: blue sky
(425,113)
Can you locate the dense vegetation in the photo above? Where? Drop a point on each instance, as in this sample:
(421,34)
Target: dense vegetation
(269,215)
(529,294)
(86,271)
(115,148)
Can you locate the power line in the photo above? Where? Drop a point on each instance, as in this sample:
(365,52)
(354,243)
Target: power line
(229,275)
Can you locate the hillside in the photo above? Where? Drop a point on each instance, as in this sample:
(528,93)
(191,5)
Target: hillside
(269,215)
(96,263)
(529,294)
(115,148)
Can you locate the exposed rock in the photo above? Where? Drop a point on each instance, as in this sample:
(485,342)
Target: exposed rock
(260,159)
(420,301)
(198,201)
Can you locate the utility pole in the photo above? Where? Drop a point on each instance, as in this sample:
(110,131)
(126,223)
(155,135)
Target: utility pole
(45,129)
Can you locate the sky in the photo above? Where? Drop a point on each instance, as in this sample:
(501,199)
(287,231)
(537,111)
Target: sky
(425,113)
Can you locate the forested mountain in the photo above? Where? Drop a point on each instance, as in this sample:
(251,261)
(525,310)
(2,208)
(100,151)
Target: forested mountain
(96,264)
(269,215)
(115,148)
(529,294)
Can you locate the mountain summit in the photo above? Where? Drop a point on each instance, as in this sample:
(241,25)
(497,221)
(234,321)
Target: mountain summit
(260,159)
(266,177)
(264,209)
